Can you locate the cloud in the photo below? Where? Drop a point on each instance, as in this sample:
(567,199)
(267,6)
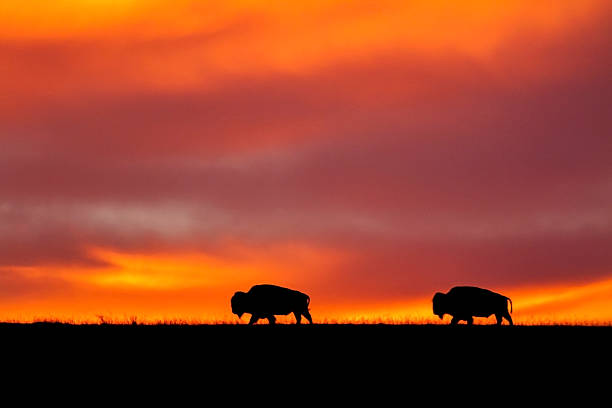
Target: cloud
(420,168)
(17,284)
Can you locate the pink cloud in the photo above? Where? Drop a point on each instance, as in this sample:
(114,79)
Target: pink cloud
(427,170)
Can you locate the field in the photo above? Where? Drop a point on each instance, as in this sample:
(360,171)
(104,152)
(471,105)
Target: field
(376,365)
(348,364)
(341,362)
(369,349)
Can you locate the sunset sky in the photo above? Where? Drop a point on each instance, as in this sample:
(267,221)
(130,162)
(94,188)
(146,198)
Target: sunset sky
(156,156)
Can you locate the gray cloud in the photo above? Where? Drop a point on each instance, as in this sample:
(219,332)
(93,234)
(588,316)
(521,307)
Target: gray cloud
(429,171)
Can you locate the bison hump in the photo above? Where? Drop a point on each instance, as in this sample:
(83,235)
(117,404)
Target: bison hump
(470,291)
(268,289)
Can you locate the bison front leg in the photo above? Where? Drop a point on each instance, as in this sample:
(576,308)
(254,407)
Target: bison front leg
(271,319)
(470,320)
(454,321)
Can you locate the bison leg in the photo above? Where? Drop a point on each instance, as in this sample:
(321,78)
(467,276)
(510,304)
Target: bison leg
(271,319)
(504,315)
(454,321)
(470,320)
(254,319)
(298,317)
(307,316)
(508,318)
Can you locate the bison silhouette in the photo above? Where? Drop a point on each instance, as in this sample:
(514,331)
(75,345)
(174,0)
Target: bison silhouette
(467,302)
(265,301)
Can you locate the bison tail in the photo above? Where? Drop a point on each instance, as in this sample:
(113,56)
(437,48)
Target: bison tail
(510,300)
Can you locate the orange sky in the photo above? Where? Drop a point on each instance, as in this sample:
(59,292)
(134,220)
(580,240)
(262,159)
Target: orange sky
(160,155)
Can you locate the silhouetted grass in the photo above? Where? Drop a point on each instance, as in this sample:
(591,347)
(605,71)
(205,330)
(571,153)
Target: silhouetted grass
(318,353)
(383,359)
(136,321)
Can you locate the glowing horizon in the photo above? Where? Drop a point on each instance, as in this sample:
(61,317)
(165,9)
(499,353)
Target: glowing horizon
(157,156)
(134,279)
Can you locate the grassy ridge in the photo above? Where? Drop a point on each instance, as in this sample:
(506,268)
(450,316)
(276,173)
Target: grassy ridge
(380,338)
(342,359)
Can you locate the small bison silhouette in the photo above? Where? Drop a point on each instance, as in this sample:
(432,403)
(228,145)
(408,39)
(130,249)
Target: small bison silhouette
(467,302)
(265,301)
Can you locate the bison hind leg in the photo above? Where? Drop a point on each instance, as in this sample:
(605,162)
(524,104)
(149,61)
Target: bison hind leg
(508,318)
(307,316)
(298,317)
(271,319)
(254,319)
(504,315)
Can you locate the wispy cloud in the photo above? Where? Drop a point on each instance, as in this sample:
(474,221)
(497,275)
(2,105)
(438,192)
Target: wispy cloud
(409,145)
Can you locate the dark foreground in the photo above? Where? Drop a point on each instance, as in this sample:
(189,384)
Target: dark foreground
(392,357)
(377,344)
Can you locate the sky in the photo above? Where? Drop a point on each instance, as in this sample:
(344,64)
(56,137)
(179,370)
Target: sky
(156,156)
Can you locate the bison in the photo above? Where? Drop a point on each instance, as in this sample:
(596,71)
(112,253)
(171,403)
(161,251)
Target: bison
(465,302)
(265,301)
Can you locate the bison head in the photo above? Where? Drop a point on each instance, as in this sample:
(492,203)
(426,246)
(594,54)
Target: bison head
(239,303)
(439,304)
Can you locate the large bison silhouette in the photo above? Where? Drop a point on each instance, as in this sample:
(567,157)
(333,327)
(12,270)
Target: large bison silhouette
(265,301)
(467,302)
